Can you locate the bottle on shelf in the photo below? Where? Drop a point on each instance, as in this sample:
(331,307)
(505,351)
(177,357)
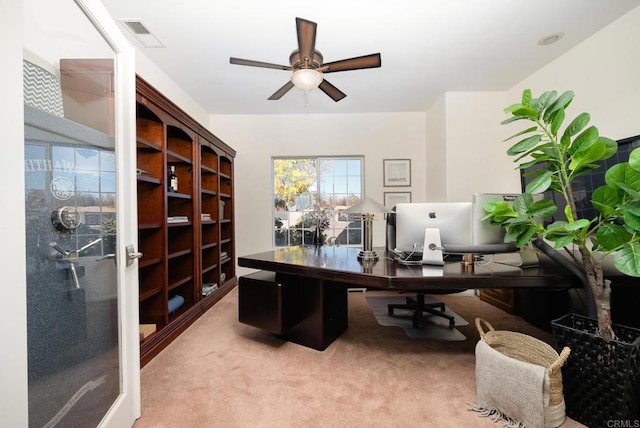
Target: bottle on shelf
(173,180)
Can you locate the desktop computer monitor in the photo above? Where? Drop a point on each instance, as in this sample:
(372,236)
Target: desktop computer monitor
(451,219)
(459,224)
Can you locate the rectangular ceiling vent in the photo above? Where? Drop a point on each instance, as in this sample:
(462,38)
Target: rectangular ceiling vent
(142,33)
(136,27)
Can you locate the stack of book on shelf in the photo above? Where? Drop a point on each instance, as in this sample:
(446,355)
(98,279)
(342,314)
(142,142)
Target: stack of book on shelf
(205,217)
(223,255)
(208,288)
(178,219)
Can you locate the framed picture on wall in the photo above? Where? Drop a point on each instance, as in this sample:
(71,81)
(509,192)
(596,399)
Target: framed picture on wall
(397,172)
(393,198)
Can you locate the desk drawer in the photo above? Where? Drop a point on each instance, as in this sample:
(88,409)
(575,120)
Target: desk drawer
(503,298)
(262,302)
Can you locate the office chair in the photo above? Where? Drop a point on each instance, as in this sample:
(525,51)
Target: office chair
(419,308)
(417,304)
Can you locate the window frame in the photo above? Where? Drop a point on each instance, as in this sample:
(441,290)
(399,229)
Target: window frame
(297,226)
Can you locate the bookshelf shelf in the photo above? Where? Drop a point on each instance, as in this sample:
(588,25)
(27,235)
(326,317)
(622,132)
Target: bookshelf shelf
(181,247)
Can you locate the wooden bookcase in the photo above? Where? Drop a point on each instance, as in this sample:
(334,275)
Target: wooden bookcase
(187,237)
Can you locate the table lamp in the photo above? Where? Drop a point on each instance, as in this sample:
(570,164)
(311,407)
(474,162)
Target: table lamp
(367,208)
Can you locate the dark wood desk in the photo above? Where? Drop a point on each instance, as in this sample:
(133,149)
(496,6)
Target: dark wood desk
(301,292)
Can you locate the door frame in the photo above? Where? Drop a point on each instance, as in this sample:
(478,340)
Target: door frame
(13,353)
(126,408)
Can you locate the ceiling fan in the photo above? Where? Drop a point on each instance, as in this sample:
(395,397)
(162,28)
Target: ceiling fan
(307,66)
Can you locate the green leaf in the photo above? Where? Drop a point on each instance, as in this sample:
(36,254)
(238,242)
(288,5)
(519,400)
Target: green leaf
(511,119)
(545,100)
(577,225)
(558,118)
(525,111)
(502,212)
(524,145)
(559,233)
(585,140)
(526,131)
(523,203)
(634,159)
(526,97)
(604,199)
(583,158)
(577,125)
(568,212)
(627,260)
(611,145)
(532,162)
(615,174)
(611,236)
(631,218)
(562,242)
(512,107)
(561,103)
(526,236)
(626,178)
(543,208)
(540,184)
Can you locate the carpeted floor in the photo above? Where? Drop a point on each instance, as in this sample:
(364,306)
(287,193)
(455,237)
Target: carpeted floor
(220,373)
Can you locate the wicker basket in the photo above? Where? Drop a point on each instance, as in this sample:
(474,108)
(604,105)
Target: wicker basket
(602,377)
(534,351)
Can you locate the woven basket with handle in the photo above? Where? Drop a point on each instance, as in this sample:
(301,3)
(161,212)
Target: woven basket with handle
(534,351)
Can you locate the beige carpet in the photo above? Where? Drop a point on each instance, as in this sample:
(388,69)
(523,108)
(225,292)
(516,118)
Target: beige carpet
(221,373)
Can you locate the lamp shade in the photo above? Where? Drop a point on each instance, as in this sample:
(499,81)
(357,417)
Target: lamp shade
(367,206)
(306,79)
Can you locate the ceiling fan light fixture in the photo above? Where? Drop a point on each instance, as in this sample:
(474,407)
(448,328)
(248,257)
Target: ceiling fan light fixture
(306,79)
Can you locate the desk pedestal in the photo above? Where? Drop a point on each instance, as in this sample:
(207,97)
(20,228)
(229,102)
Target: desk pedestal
(307,311)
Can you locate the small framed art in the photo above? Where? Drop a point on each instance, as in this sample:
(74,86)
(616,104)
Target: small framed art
(397,172)
(393,198)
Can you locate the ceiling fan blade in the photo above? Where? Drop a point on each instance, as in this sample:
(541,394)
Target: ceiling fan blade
(357,63)
(251,63)
(333,92)
(306,39)
(280,92)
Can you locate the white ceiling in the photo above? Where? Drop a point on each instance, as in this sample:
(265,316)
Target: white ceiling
(428,47)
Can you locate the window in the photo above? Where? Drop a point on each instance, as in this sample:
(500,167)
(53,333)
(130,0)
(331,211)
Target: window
(309,195)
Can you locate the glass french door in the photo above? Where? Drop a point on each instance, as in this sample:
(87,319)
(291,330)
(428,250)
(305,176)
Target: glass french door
(83,358)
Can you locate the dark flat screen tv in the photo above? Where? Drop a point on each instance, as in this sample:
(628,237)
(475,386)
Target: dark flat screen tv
(584,185)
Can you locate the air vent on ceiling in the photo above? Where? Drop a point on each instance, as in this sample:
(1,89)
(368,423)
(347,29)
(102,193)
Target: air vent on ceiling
(136,27)
(142,33)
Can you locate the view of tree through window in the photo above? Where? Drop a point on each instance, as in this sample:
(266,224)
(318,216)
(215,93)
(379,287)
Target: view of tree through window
(309,195)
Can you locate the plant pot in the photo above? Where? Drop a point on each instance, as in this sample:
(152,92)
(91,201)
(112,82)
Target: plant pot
(601,377)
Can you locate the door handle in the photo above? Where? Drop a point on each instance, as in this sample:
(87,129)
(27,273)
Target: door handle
(132,254)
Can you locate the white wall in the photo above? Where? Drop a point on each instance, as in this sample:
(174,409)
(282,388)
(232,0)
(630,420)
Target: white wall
(476,154)
(436,151)
(13,317)
(604,73)
(150,72)
(465,152)
(257,138)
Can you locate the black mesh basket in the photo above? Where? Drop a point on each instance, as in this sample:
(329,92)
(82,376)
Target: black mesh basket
(601,376)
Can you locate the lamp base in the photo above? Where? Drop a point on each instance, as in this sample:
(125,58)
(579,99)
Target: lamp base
(367,255)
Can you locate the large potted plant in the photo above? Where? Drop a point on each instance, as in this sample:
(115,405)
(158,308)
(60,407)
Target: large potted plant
(559,153)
